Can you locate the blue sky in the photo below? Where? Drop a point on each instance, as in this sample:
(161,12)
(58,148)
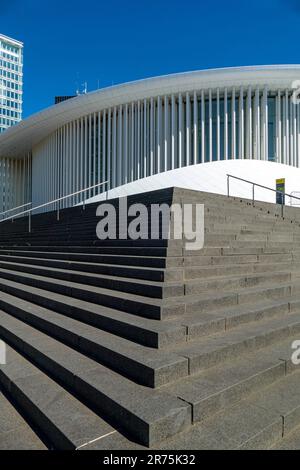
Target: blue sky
(105,43)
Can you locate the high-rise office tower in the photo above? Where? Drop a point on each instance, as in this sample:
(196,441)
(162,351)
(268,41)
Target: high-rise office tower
(11,81)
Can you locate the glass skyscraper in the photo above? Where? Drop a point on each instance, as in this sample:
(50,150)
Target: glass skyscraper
(11,82)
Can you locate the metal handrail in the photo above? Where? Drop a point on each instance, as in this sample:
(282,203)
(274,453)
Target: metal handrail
(260,186)
(294,197)
(15,208)
(29,211)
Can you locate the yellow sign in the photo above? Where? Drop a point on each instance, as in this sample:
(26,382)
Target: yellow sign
(280,190)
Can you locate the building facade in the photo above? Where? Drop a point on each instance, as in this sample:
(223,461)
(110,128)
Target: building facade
(128,132)
(11,82)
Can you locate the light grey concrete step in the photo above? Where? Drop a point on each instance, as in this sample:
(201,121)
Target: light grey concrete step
(147,366)
(139,287)
(142,306)
(223,260)
(255,423)
(204,324)
(211,271)
(140,330)
(242,250)
(15,432)
(61,418)
(148,415)
(137,272)
(127,260)
(247,425)
(223,282)
(151,308)
(203,303)
(216,349)
(290,442)
(216,389)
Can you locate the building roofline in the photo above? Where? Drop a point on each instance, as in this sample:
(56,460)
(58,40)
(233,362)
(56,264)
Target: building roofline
(19,139)
(13,41)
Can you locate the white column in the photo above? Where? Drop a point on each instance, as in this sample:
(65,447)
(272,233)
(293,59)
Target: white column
(202,127)
(267,125)
(174,134)
(100,188)
(119,165)
(210,125)
(294,132)
(188,129)
(126,144)
(278,129)
(249,124)
(256,124)
(218,126)
(298,133)
(90,155)
(114,148)
(77,164)
(180,137)
(195,112)
(145,160)
(138,156)
(151,136)
(241,124)
(109,165)
(159,135)
(105,177)
(166,136)
(94,192)
(225,124)
(287,128)
(132,142)
(233,125)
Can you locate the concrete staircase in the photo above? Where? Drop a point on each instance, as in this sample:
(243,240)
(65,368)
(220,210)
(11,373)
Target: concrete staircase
(124,344)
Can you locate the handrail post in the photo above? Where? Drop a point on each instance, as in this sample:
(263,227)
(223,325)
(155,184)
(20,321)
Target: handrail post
(253,189)
(57,214)
(29,222)
(228,185)
(282,206)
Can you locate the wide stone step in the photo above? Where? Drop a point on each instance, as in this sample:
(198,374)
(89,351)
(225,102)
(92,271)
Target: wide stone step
(204,324)
(149,273)
(154,289)
(212,271)
(146,414)
(291,441)
(237,259)
(256,423)
(65,422)
(15,299)
(118,250)
(147,366)
(206,302)
(206,353)
(216,389)
(126,260)
(135,304)
(15,432)
(252,424)
(235,282)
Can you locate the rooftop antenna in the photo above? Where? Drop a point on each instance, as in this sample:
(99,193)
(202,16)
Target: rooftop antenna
(84,91)
(77,84)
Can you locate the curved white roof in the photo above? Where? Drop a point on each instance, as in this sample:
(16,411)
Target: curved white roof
(19,139)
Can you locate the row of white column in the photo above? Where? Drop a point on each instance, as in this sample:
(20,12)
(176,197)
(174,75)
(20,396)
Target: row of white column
(15,182)
(139,139)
